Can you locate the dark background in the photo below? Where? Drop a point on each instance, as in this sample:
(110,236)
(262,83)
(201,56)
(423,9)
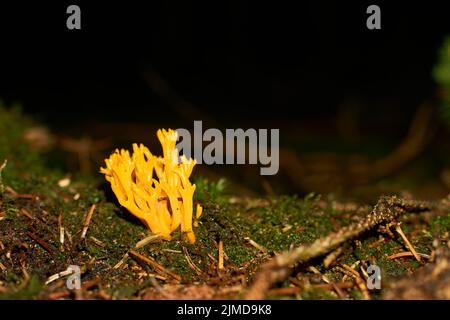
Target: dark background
(238,60)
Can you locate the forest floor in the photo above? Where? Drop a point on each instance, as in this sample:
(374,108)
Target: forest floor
(50,220)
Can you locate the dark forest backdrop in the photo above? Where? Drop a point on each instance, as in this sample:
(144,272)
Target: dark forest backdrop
(238,60)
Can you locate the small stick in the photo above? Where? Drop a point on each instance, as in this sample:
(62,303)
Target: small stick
(315,271)
(353,266)
(41,242)
(103,295)
(364,272)
(399,230)
(359,281)
(26,196)
(26,276)
(147,240)
(69,236)
(122,261)
(220,264)
(377,243)
(11,191)
(155,265)
(340,285)
(329,259)
(338,290)
(90,284)
(286,291)
(256,245)
(191,263)
(61,230)
(97,242)
(58,275)
(79,294)
(408,254)
(171,251)
(88,220)
(58,295)
(2,188)
(27,213)
(157,276)
(211,257)
(15,194)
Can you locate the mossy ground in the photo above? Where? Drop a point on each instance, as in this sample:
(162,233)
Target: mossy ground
(31,252)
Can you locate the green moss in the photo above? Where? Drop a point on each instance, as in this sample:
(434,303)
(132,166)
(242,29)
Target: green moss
(440,224)
(289,220)
(391,268)
(21,160)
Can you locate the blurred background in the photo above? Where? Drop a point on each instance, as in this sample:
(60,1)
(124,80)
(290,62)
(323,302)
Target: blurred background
(359,111)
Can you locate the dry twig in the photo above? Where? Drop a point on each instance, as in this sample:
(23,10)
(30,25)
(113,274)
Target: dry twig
(27,213)
(155,265)
(88,220)
(359,281)
(256,245)
(191,263)
(147,240)
(41,242)
(399,230)
(408,254)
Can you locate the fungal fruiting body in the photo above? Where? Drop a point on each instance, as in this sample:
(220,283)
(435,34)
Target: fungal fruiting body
(155,189)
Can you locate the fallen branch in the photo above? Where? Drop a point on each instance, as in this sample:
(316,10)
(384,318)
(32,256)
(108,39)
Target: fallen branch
(387,209)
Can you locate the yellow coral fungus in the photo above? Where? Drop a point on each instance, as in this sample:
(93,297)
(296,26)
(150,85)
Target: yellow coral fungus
(163,204)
